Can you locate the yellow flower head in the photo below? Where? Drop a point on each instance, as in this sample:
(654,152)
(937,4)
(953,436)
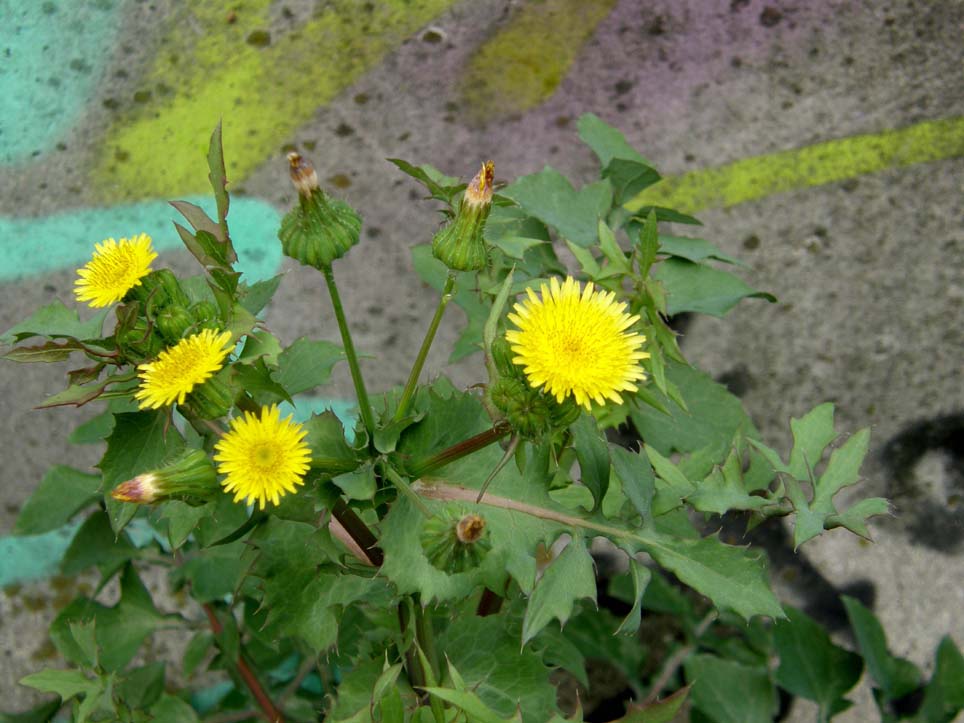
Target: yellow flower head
(115,269)
(576,341)
(177,370)
(263,458)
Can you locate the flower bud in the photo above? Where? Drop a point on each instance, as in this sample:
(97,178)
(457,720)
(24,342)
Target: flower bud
(136,339)
(454,541)
(321,229)
(460,245)
(172,322)
(160,289)
(190,476)
(212,399)
(502,355)
(530,412)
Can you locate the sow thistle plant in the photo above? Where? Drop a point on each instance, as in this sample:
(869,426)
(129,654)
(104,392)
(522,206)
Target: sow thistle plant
(433,560)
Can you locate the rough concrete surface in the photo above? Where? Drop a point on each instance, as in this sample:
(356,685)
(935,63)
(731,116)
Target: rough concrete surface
(869,271)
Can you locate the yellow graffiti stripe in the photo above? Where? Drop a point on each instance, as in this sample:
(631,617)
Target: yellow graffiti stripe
(829,162)
(209,69)
(521,66)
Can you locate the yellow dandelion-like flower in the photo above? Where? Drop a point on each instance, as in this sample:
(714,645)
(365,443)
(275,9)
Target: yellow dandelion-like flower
(577,341)
(115,269)
(263,458)
(177,370)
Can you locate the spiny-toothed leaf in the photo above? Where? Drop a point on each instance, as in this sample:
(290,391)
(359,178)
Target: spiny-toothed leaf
(56,321)
(567,579)
(672,487)
(606,142)
(487,659)
(307,364)
(47,352)
(65,683)
(694,249)
(550,197)
(593,455)
(811,666)
(659,711)
(440,187)
(636,474)
(896,676)
(641,575)
(729,692)
(723,490)
(62,493)
(219,183)
(703,289)
(629,178)
(256,296)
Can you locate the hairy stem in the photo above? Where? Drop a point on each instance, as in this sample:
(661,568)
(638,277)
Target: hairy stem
(462,449)
(405,402)
(364,405)
(246,674)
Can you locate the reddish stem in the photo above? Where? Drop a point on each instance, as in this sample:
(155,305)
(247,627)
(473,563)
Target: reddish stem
(247,675)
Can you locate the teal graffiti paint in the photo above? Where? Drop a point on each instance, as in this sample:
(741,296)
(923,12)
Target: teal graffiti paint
(33,246)
(54,57)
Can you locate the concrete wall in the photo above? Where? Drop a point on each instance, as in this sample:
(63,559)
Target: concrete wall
(823,142)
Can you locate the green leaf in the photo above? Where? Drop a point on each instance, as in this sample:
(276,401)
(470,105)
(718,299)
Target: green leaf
(896,676)
(606,142)
(358,484)
(96,543)
(701,288)
(77,395)
(811,666)
(94,430)
(142,687)
(172,710)
(470,704)
(723,490)
(441,187)
(660,711)
(811,435)
(196,650)
(304,594)
(140,442)
(256,379)
(219,183)
(120,630)
(65,683)
(485,654)
(636,474)
(629,178)
(330,451)
(550,197)
(568,578)
(215,572)
(307,364)
(62,493)
(182,518)
(56,321)
(261,345)
(672,486)
(694,249)
(47,352)
(728,692)
(641,575)
(713,416)
(944,694)
(593,455)
(256,296)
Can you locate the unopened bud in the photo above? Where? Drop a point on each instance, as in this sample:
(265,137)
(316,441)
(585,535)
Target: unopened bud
(190,477)
(455,541)
(172,322)
(530,412)
(460,245)
(320,229)
(212,399)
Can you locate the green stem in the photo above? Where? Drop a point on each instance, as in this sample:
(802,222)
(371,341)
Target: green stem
(457,451)
(409,391)
(425,635)
(364,405)
(406,489)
